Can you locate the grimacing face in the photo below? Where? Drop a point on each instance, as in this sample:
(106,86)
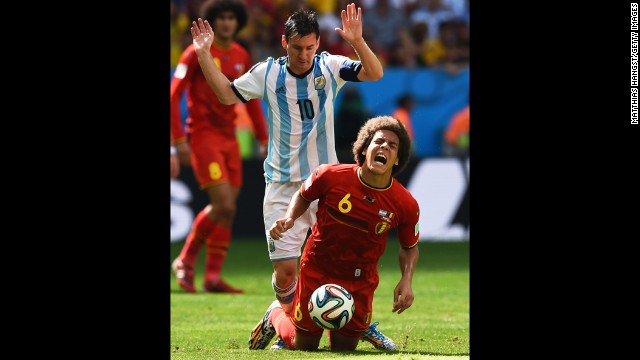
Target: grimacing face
(301,51)
(382,153)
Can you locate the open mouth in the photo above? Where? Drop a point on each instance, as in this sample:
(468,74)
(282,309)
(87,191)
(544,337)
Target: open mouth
(380,158)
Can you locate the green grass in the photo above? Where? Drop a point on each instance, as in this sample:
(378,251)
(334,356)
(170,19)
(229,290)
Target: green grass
(217,326)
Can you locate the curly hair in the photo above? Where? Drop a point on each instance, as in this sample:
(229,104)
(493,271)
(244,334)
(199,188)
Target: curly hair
(368,130)
(302,23)
(212,8)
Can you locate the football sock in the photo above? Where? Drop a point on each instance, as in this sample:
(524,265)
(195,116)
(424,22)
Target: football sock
(201,228)
(286,295)
(284,327)
(217,244)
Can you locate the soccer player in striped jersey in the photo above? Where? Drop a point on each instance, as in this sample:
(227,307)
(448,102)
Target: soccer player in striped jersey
(360,204)
(299,90)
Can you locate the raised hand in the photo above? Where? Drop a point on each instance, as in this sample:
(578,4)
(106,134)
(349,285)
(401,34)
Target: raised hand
(351,24)
(202,34)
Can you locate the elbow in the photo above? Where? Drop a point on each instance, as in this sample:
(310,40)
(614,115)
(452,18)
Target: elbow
(227,101)
(375,76)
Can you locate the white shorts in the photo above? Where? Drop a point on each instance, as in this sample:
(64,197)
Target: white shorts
(277,196)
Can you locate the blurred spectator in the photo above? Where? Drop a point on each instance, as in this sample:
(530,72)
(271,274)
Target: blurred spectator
(178,31)
(260,33)
(406,6)
(382,27)
(328,21)
(266,43)
(325,7)
(405,105)
(432,13)
(430,51)
(456,48)
(456,136)
(459,8)
(350,117)
(282,10)
(406,52)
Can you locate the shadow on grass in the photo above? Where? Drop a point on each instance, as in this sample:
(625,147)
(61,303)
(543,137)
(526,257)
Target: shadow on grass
(373,352)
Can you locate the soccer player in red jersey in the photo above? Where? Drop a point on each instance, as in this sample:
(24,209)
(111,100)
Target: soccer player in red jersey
(210,145)
(358,205)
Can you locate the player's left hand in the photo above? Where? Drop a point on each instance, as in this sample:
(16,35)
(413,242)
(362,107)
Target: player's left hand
(402,297)
(351,24)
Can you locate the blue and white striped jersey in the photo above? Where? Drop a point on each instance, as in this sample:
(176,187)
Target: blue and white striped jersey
(300,114)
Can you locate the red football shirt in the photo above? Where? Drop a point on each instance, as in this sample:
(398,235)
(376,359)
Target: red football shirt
(354,219)
(205,110)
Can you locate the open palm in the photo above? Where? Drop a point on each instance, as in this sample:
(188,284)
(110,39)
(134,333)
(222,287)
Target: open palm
(351,24)
(202,34)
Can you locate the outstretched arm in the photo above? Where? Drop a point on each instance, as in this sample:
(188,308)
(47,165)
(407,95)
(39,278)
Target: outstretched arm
(403,293)
(352,33)
(202,34)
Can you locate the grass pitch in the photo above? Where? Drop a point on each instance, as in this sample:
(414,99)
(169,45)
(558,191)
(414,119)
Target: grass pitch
(217,326)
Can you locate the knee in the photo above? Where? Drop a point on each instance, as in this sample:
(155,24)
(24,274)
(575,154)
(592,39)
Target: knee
(285,272)
(225,208)
(223,212)
(228,207)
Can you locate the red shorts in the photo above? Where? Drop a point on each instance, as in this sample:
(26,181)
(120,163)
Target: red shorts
(362,291)
(214,160)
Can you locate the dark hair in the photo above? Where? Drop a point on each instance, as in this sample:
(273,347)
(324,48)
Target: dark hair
(365,135)
(212,8)
(302,23)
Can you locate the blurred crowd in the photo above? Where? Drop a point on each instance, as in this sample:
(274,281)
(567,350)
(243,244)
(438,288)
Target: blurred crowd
(403,33)
(408,34)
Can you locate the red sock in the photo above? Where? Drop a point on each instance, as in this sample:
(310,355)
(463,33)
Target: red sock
(201,228)
(217,245)
(283,325)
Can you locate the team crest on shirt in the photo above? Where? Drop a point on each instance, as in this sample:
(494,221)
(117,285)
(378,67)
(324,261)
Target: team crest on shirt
(320,81)
(382,226)
(385,224)
(239,68)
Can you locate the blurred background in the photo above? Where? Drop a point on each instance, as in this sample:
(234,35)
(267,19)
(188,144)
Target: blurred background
(424,47)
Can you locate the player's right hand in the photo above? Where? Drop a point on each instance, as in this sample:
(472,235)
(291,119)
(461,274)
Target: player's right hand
(279,227)
(202,34)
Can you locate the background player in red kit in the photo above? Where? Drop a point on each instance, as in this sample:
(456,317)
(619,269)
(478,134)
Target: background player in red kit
(358,205)
(210,145)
